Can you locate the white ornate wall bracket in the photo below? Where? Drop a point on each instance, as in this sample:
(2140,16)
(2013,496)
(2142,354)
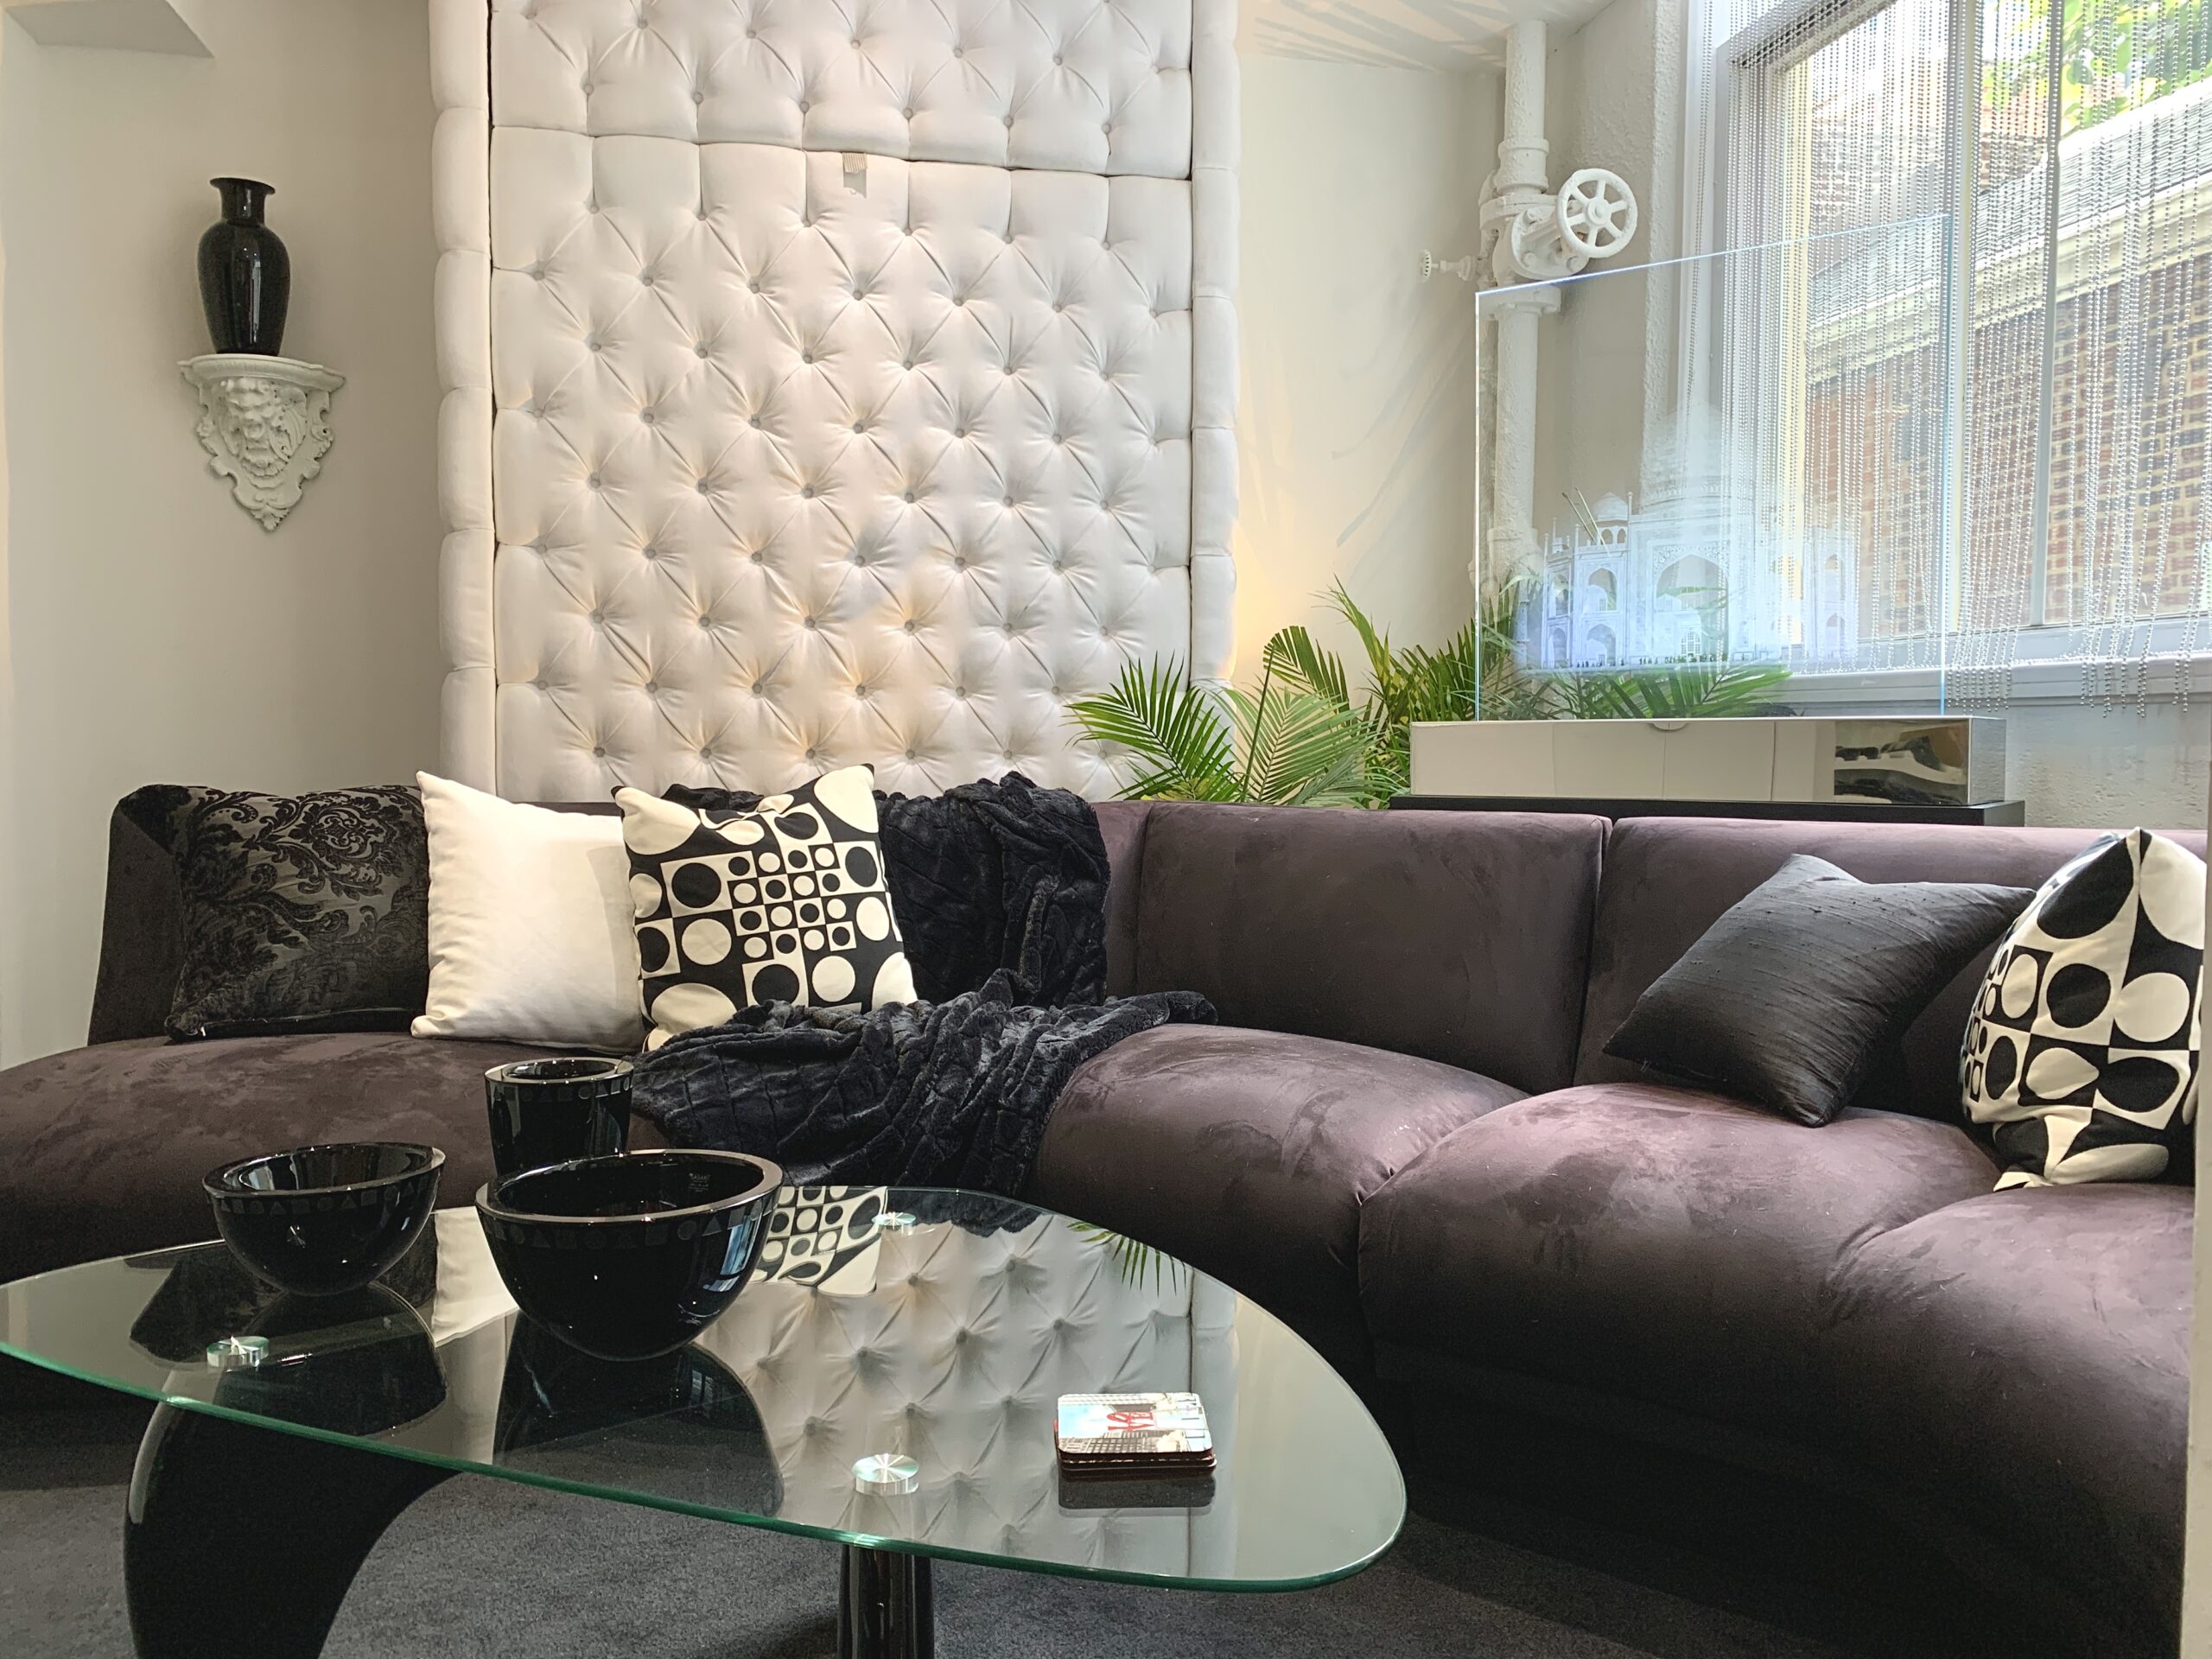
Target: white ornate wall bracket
(265,424)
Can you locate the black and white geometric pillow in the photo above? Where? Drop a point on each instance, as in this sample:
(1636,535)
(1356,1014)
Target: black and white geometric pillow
(784,903)
(2082,1051)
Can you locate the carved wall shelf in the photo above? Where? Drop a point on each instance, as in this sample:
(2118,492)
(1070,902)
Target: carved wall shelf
(265,424)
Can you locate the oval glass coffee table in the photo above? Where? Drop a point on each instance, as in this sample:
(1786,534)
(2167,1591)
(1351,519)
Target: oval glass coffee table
(883,1325)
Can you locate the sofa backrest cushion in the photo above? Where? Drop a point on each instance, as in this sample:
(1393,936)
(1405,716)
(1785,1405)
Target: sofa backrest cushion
(1668,879)
(1461,937)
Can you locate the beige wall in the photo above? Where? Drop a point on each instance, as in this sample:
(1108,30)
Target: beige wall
(158,633)
(1356,424)
(1603,103)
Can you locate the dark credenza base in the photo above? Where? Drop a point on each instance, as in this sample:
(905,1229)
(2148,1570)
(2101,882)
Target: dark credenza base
(1990,812)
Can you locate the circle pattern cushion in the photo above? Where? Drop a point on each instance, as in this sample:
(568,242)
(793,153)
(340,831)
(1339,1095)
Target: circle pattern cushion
(788,902)
(2080,1055)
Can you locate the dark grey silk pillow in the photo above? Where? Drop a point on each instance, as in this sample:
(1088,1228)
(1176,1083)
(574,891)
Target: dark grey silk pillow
(299,912)
(1788,998)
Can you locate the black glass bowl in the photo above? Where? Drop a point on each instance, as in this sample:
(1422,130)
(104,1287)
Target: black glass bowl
(630,1257)
(322,1221)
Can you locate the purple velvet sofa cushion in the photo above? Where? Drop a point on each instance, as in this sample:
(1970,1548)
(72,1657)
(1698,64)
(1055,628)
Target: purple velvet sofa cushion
(1668,879)
(1458,937)
(1250,1153)
(105,1147)
(1660,1245)
(2021,1359)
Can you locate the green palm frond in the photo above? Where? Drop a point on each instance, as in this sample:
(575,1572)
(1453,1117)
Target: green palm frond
(1138,1264)
(1179,733)
(1294,657)
(1381,665)
(1301,748)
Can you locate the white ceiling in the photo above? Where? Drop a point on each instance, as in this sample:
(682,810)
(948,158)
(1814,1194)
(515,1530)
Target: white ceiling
(1452,34)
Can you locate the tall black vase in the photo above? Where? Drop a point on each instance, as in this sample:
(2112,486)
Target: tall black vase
(246,275)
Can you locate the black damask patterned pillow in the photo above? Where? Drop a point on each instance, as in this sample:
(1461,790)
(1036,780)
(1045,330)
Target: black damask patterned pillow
(787,902)
(300,914)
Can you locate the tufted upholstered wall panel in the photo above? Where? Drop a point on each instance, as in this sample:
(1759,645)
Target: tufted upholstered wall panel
(827,381)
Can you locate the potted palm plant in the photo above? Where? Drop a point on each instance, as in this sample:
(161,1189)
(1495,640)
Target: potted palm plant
(1303,737)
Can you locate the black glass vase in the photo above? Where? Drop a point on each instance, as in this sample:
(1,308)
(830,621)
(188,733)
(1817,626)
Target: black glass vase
(246,275)
(554,1111)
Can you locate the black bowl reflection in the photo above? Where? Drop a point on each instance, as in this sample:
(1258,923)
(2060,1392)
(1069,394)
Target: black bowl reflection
(206,1293)
(630,1256)
(322,1221)
(361,1363)
(682,1426)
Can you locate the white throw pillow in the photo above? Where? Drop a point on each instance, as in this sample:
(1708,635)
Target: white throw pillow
(531,934)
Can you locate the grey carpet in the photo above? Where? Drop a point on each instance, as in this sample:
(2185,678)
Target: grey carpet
(483,1566)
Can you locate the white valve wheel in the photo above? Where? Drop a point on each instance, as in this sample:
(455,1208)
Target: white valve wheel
(1596,214)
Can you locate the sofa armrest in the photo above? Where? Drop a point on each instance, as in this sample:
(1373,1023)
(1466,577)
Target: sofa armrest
(140,940)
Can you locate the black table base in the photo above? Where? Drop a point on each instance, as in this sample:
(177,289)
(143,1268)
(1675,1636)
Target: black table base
(884,1606)
(239,1540)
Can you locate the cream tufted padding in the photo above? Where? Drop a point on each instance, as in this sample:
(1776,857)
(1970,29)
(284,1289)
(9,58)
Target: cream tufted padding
(828,381)
(950,1347)
(954,1357)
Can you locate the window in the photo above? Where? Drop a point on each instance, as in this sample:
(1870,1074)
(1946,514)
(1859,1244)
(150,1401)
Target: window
(1960,353)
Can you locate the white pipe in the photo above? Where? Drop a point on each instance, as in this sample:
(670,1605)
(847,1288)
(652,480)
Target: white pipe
(1521,160)
(1522,148)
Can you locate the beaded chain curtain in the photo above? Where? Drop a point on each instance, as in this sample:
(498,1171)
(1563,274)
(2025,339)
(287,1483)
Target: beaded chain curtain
(1940,472)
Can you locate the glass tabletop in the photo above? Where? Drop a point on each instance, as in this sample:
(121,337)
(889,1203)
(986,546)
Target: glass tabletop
(935,1325)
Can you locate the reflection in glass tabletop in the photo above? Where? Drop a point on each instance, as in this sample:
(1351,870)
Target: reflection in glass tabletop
(940,1326)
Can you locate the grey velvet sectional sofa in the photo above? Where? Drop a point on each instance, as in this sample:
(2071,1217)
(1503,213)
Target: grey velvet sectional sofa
(1831,1355)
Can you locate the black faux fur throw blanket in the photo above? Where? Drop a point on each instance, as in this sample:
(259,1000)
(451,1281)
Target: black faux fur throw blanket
(1000,891)
(927,1094)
